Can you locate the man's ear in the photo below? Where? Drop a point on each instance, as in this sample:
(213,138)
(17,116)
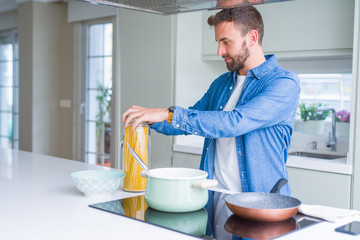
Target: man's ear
(253,38)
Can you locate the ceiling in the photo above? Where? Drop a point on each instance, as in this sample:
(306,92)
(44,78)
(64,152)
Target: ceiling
(9,5)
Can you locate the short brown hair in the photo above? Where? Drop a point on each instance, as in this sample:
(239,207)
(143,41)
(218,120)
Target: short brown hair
(246,18)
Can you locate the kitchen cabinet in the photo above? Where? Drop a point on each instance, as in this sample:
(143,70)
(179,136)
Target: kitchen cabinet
(302,28)
(308,185)
(186,160)
(320,188)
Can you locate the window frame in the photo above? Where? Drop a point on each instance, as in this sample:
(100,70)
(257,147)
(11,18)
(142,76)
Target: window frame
(13,34)
(82,109)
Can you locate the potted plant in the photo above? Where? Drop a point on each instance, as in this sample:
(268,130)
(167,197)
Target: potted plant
(103,125)
(313,120)
(342,123)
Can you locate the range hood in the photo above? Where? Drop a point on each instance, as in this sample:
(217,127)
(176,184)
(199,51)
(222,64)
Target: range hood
(167,7)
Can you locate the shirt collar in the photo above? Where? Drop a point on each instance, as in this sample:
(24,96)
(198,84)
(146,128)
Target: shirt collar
(265,67)
(261,70)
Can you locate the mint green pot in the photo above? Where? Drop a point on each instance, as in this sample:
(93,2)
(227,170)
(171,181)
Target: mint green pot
(177,189)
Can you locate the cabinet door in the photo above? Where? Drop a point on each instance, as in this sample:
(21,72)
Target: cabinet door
(186,160)
(301,28)
(320,188)
(308,25)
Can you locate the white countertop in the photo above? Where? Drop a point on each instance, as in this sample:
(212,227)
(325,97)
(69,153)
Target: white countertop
(39,201)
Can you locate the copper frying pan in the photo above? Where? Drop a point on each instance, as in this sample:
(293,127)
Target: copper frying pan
(258,230)
(267,207)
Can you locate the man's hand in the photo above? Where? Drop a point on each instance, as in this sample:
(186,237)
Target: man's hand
(141,114)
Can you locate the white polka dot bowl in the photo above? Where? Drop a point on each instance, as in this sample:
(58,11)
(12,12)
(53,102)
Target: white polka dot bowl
(97,182)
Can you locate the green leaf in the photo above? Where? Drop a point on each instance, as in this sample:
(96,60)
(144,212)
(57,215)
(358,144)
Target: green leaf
(309,112)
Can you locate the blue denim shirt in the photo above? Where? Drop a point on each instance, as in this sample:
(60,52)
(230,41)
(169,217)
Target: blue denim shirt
(261,123)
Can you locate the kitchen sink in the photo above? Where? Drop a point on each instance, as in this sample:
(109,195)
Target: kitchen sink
(316,155)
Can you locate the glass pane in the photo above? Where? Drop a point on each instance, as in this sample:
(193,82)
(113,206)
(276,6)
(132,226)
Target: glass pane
(93,105)
(330,89)
(15,100)
(6,73)
(6,98)
(96,70)
(108,36)
(100,137)
(6,49)
(15,81)
(91,137)
(96,38)
(2,73)
(346,87)
(108,72)
(91,158)
(6,124)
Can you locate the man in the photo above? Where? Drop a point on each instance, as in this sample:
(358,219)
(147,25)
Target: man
(246,116)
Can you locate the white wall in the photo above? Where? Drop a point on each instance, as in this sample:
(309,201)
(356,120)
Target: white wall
(43,75)
(193,75)
(147,69)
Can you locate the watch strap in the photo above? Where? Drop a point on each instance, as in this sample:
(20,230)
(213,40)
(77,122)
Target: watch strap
(171,112)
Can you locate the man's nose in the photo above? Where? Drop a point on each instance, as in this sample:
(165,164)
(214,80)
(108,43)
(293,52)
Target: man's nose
(221,50)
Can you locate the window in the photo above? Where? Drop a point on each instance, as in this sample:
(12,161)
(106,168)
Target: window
(9,90)
(97,92)
(329,89)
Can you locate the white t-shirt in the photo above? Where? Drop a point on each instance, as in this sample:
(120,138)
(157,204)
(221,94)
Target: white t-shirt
(226,168)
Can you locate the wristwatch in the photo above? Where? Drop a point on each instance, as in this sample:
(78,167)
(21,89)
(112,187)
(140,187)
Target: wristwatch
(172,109)
(171,112)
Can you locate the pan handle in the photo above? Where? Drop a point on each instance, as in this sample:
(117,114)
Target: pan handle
(205,183)
(279,185)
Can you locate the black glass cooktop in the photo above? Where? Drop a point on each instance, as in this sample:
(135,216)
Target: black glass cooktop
(221,225)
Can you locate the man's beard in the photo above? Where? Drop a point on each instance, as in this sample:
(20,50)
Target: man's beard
(238,62)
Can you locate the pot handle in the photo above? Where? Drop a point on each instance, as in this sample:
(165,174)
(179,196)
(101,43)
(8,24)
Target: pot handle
(205,183)
(143,174)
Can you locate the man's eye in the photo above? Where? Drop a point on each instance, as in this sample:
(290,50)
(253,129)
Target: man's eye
(226,43)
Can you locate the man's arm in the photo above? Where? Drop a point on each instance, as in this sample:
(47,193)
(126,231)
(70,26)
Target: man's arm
(275,104)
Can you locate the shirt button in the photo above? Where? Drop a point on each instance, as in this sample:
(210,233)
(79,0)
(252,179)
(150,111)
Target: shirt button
(177,125)
(230,88)
(220,107)
(195,132)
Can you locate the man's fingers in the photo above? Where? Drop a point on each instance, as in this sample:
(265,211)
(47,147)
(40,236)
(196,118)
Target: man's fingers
(133,116)
(132,109)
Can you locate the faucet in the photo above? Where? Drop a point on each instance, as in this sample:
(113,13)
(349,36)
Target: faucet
(332,135)
(313,145)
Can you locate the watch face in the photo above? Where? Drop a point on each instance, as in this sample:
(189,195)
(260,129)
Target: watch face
(172,109)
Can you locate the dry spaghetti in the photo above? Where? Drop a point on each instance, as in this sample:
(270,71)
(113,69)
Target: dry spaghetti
(139,141)
(135,207)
